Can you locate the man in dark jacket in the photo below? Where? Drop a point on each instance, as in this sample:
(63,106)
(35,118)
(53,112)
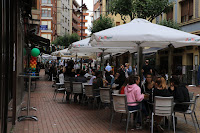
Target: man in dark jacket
(82,79)
(180,94)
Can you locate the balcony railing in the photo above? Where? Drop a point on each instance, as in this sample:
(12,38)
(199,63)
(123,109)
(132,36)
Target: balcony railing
(75,18)
(75,26)
(85,14)
(84,27)
(84,34)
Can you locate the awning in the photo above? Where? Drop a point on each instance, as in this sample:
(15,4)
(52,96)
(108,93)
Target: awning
(38,40)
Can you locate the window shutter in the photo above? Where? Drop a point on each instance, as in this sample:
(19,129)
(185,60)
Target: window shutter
(184,8)
(190,7)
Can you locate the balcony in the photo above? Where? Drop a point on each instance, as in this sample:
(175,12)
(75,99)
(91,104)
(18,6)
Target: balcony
(85,14)
(75,26)
(75,18)
(84,34)
(84,21)
(84,27)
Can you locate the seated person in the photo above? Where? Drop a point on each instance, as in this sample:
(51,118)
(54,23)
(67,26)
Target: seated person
(159,90)
(180,94)
(92,78)
(97,82)
(120,78)
(82,79)
(61,77)
(108,77)
(121,91)
(133,93)
(148,84)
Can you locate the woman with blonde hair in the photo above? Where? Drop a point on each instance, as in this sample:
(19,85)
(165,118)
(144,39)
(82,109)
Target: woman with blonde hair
(159,90)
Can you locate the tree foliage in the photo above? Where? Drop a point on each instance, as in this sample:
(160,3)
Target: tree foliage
(66,40)
(170,23)
(146,9)
(101,24)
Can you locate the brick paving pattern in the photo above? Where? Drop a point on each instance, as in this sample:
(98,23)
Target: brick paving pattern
(61,117)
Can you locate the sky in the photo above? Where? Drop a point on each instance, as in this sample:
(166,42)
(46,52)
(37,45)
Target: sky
(89,4)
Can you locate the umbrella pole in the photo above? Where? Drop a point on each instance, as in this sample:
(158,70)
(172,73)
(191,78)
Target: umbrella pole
(139,60)
(102,66)
(76,57)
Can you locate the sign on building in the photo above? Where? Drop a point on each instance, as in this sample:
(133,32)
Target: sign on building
(43,27)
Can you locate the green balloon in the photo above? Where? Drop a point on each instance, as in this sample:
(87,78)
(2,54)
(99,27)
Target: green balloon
(34,69)
(35,52)
(30,68)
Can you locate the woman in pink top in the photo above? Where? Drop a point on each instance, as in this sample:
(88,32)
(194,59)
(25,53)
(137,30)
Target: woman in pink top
(133,94)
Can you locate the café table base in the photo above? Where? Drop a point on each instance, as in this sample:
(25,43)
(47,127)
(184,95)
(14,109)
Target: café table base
(25,108)
(21,118)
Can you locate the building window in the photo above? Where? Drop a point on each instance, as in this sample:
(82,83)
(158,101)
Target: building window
(65,31)
(65,20)
(117,23)
(107,6)
(47,36)
(170,14)
(48,23)
(34,4)
(46,12)
(46,1)
(186,10)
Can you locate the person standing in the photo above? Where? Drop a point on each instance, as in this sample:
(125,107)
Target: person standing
(146,69)
(108,68)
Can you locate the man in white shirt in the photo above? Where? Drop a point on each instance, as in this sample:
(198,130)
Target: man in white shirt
(108,68)
(61,63)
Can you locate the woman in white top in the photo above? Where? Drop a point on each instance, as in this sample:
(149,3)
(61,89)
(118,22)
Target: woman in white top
(61,77)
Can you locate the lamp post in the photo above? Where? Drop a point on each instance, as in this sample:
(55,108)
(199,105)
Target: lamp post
(81,19)
(81,27)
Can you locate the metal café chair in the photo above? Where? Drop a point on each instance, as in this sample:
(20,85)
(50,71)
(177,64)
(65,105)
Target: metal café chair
(191,110)
(59,88)
(120,105)
(105,96)
(77,89)
(89,93)
(163,106)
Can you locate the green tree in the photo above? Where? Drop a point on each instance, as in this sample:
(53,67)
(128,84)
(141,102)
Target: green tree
(101,24)
(73,38)
(66,40)
(146,9)
(170,23)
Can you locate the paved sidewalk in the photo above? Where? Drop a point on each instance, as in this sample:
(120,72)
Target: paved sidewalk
(57,117)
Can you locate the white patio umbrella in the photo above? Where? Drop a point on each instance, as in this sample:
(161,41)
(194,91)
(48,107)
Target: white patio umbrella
(144,33)
(61,52)
(84,46)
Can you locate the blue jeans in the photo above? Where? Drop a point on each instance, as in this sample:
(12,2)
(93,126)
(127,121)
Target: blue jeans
(144,111)
(132,108)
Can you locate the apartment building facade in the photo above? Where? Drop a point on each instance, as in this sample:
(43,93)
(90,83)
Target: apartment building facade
(48,19)
(101,7)
(76,19)
(64,17)
(185,60)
